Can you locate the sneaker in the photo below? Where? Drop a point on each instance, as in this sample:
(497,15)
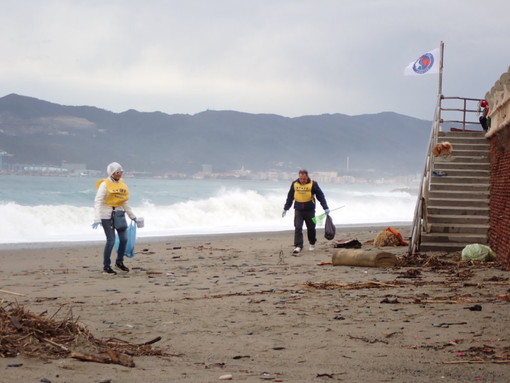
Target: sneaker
(297,250)
(121,267)
(312,248)
(109,270)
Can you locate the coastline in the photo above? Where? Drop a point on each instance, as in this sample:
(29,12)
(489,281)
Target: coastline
(240,306)
(142,239)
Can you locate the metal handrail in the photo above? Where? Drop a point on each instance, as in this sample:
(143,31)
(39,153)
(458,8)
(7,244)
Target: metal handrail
(420,212)
(464,110)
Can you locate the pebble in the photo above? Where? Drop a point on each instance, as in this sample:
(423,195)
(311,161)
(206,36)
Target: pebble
(44,380)
(225,377)
(105,380)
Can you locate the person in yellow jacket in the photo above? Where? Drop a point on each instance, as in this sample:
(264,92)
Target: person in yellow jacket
(303,192)
(112,193)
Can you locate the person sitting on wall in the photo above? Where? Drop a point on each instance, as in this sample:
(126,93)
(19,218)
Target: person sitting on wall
(483,110)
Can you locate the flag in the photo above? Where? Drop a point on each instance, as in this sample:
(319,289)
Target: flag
(427,63)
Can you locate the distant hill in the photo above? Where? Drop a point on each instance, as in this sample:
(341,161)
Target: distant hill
(36,131)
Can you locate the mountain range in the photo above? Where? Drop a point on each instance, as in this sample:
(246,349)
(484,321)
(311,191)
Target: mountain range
(34,131)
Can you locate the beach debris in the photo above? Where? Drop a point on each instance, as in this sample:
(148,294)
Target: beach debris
(347,244)
(12,293)
(241,356)
(281,258)
(367,340)
(477,252)
(504,297)
(410,273)
(29,334)
(367,258)
(389,237)
(324,263)
(474,308)
(225,377)
(330,285)
(483,354)
(390,301)
(447,324)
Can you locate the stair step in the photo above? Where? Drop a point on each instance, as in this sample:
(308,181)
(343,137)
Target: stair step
(460,186)
(462,136)
(469,150)
(459,194)
(459,210)
(458,219)
(465,238)
(459,202)
(450,171)
(462,228)
(444,165)
(458,179)
(462,159)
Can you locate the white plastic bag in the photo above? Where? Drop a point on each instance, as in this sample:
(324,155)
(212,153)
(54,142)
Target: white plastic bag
(477,252)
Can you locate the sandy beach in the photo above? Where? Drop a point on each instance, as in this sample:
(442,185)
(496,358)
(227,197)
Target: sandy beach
(240,307)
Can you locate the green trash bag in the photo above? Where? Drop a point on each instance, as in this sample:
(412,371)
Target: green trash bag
(477,252)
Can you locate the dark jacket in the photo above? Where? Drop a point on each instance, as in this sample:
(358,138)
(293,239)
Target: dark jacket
(316,192)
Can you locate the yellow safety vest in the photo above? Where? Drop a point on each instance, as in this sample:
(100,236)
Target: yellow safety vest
(118,192)
(303,193)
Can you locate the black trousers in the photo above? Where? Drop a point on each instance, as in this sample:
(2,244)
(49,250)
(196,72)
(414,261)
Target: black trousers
(305,216)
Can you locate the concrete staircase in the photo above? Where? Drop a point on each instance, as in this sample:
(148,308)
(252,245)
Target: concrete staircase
(458,201)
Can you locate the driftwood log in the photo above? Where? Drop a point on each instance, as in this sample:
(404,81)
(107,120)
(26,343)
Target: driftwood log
(370,258)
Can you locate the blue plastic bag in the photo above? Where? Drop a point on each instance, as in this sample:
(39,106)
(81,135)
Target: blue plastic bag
(130,246)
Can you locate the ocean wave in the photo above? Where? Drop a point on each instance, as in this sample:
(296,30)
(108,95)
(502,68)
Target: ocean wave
(229,210)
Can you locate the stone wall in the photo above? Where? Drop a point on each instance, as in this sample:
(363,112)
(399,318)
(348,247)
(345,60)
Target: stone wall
(499,138)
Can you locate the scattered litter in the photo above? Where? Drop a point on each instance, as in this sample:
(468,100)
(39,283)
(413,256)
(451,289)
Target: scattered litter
(474,308)
(347,244)
(477,252)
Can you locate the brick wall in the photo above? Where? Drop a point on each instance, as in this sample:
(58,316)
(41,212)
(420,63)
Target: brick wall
(499,217)
(499,139)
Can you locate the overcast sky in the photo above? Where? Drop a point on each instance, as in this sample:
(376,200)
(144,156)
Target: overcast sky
(287,57)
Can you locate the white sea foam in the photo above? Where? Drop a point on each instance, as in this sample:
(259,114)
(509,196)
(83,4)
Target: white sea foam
(228,210)
(44,209)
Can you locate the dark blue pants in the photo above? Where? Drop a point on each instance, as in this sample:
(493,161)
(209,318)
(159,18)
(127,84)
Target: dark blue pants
(109,231)
(305,216)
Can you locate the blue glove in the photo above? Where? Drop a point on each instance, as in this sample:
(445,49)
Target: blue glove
(283,213)
(326,211)
(95,225)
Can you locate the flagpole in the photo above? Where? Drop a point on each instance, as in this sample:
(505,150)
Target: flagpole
(439,91)
(440,87)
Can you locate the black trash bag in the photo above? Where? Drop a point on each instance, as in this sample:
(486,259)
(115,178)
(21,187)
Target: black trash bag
(329,229)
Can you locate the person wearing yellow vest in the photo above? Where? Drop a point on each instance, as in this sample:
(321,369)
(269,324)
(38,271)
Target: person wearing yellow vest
(303,192)
(112,193)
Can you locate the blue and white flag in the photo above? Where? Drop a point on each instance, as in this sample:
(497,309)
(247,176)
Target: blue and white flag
(427,63)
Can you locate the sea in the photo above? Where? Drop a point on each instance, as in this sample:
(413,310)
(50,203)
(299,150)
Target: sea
(36,209)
